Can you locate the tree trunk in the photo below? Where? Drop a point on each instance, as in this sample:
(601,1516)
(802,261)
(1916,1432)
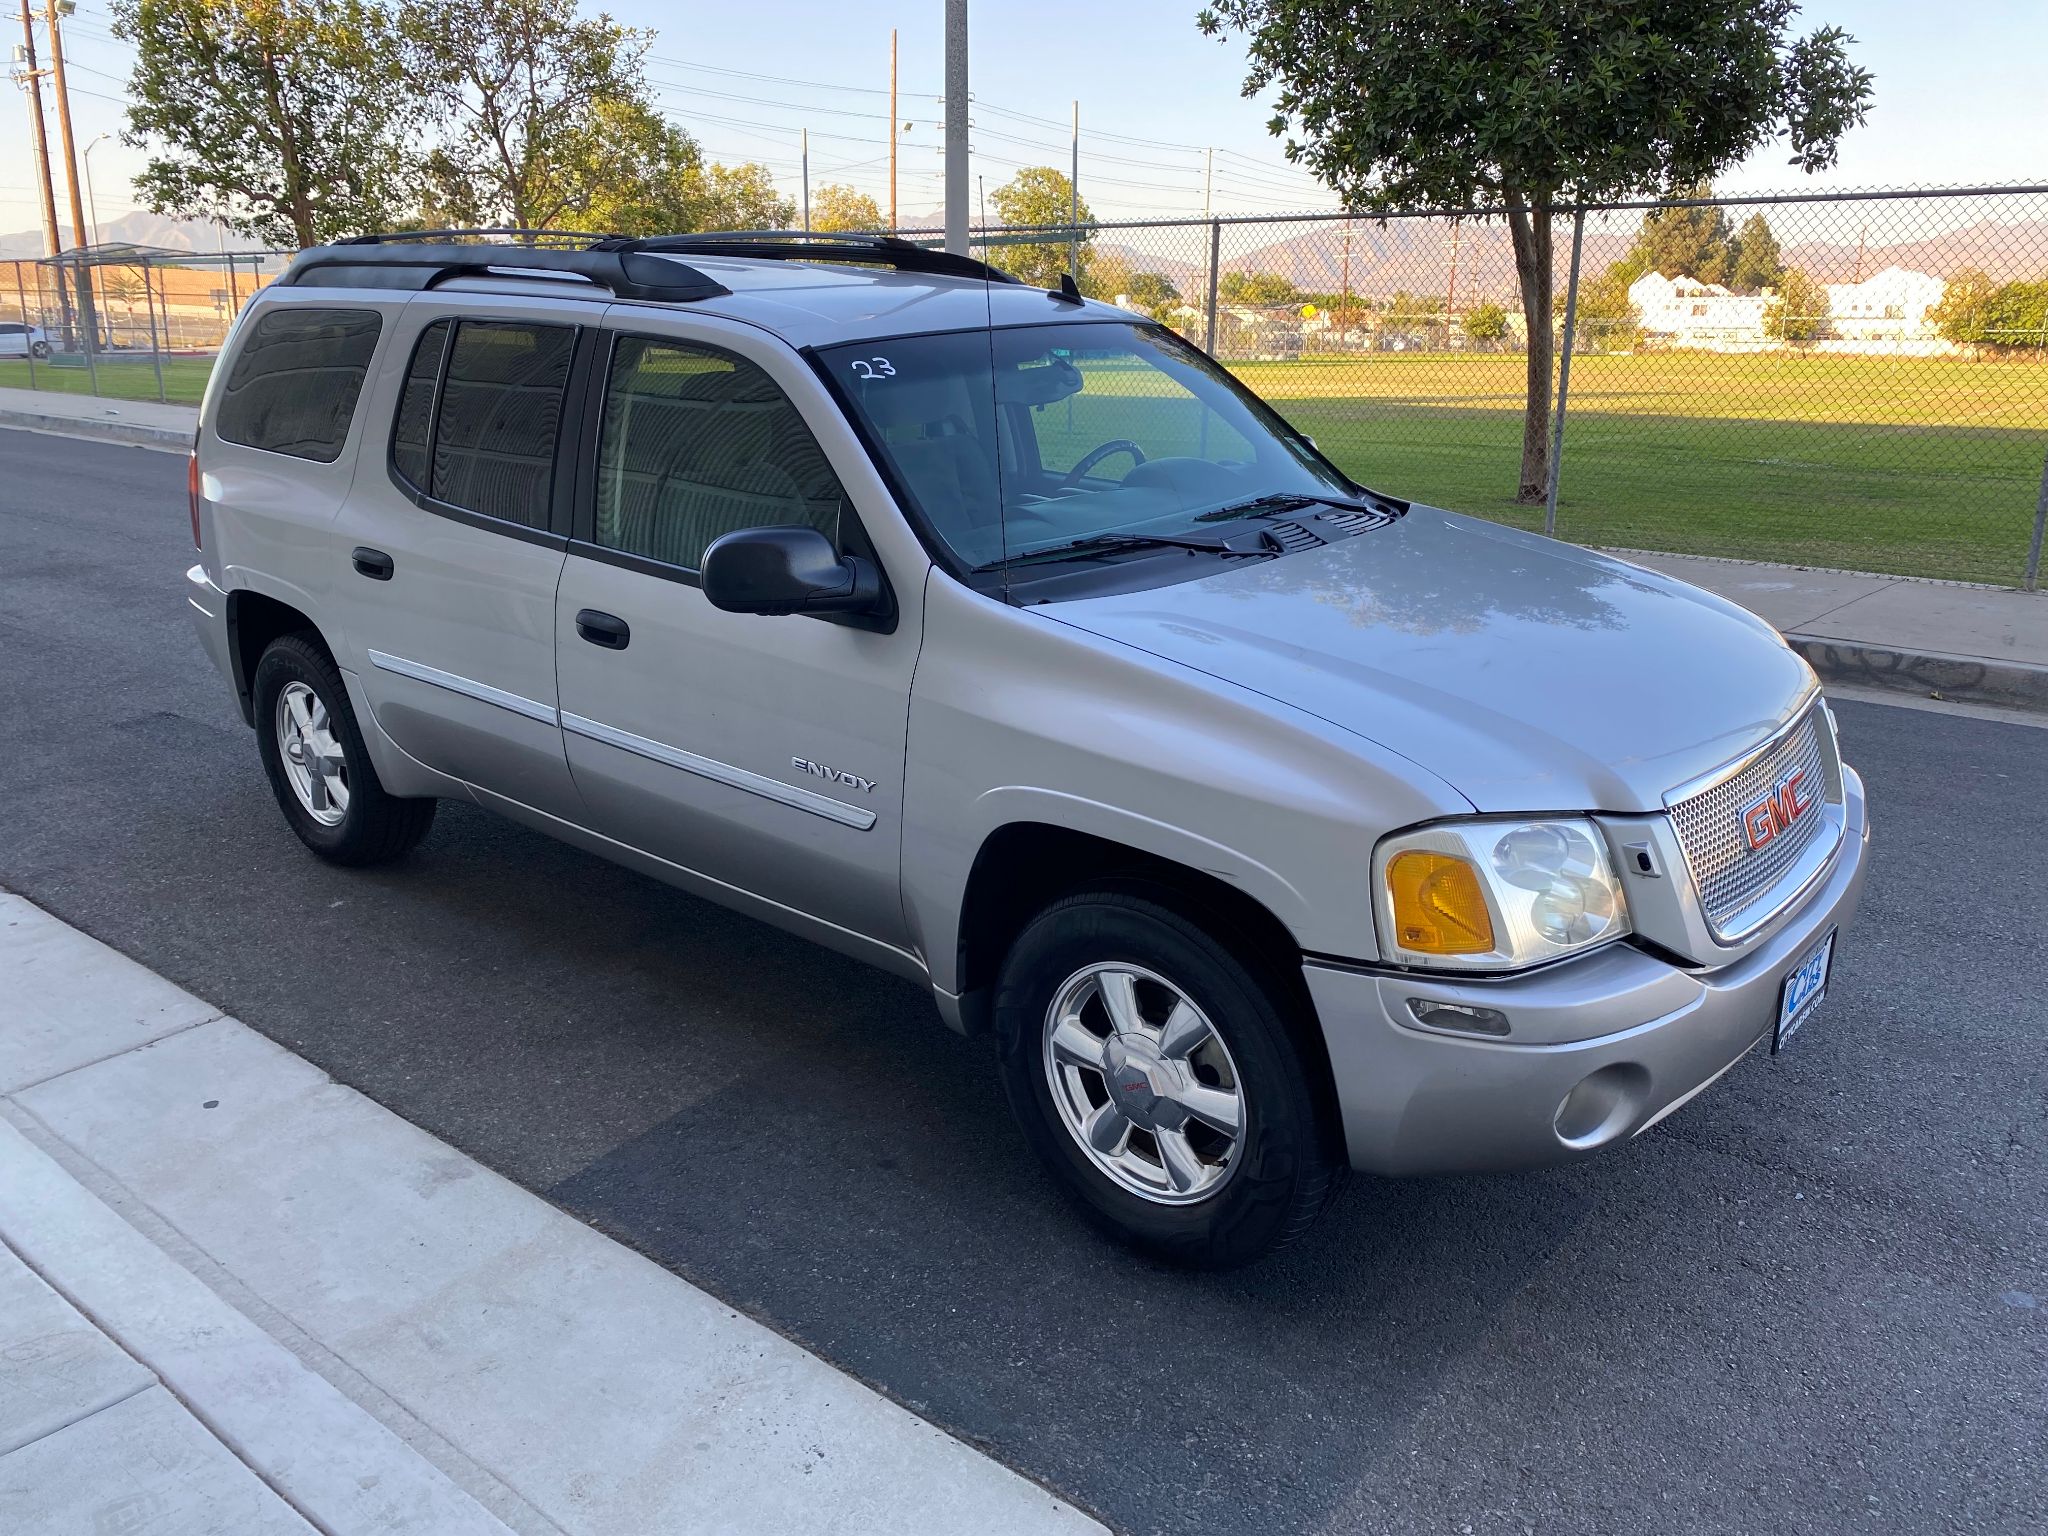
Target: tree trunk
(1529,226)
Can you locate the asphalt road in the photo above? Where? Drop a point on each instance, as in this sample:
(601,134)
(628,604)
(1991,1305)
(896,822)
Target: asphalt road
(1816,1300)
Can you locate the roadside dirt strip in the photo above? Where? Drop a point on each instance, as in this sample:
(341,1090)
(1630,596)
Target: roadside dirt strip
(238,1297)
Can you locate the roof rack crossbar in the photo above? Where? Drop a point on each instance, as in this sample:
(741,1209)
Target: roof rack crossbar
(499,232)
(795,245)
(627,273)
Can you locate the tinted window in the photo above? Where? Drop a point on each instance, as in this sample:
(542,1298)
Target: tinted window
(493,436)
(295,380)
(7,329)
(697,443)
(409,433)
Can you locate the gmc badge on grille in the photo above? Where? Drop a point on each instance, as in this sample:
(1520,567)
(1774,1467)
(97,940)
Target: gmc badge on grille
(1773,813)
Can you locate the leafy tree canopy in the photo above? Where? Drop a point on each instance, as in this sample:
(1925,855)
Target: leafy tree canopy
(841,208)
(1517,106)
(1256,288)
(1798,311)
(1038,194)
(282,119)
(1486,322)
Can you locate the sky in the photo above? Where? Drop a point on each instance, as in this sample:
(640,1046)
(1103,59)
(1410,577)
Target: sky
(1958,100)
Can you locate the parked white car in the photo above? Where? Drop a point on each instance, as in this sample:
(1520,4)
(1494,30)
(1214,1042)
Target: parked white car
(18,340)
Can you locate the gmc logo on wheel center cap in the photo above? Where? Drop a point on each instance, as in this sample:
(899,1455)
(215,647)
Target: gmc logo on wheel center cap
(1774,812)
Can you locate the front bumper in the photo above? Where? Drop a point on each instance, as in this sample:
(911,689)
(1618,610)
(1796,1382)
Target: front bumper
(1647,1034)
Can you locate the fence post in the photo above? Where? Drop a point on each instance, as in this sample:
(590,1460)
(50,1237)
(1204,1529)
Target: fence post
(2033,583)
(156,352)
(1215,261)
(1564,370)
(89,320)
(28,342)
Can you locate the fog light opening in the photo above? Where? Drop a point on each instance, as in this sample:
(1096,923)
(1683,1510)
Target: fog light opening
(1602,1107)
(1464,1018)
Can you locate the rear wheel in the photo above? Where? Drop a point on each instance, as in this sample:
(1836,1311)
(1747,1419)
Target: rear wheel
(39,349)
(1154,1073)
(319,769)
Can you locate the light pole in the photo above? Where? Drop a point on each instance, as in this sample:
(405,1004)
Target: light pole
(92,203)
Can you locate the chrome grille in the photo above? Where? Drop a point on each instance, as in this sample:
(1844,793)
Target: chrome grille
(1726,871)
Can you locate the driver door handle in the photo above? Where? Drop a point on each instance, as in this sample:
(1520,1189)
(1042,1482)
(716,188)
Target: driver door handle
(605,629)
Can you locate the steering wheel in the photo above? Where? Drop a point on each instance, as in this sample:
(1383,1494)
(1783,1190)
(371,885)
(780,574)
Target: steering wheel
(1096,455)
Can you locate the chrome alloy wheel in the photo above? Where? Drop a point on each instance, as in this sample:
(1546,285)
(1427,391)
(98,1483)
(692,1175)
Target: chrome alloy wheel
(313,760)
(1144,1083)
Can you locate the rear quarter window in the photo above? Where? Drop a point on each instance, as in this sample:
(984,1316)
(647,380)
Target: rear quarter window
(295,380)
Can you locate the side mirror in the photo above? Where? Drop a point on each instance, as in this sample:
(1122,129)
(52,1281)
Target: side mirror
(787,570)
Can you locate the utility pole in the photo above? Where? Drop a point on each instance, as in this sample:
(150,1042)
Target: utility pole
(956,127)
(807,181)
(892,128)
(85,309)
(1074,202)
(32,79)
(1208,180)
(1344,326)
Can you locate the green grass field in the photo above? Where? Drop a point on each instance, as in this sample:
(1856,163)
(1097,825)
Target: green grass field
(127,378)
(1921,466)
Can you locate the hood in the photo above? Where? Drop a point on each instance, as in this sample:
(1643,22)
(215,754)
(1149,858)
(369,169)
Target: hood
(1530,675)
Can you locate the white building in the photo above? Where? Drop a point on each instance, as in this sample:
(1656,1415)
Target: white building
(1891,305)
(1690,313)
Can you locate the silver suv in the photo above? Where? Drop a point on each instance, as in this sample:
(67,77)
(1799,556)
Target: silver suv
(1271,825)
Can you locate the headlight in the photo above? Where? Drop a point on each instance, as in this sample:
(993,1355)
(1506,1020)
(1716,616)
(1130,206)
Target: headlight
(1495,895)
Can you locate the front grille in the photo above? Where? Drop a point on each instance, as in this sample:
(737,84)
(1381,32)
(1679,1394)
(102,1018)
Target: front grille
(1730,875)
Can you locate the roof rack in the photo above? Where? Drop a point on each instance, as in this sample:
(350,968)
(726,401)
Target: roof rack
(626,270)
(579,239)
(795,245)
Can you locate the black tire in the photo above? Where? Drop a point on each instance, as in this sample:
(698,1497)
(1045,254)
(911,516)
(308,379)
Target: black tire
(1288,1162)
(376,827)
(39,350)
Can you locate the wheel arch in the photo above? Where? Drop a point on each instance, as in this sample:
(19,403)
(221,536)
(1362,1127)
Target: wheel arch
(1022,867)
(255,619)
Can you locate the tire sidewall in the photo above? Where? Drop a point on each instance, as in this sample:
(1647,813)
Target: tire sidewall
(294,660)
(1280,1152)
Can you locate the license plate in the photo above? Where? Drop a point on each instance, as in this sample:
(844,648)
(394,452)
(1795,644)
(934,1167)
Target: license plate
(1803,990)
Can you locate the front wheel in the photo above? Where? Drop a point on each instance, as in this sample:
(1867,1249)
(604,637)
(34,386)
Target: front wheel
(1155,1075)
(319,769)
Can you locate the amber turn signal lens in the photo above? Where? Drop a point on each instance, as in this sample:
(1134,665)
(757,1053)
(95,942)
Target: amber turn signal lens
(1439,907)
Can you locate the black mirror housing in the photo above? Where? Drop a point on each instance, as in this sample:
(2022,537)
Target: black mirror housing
(787,570)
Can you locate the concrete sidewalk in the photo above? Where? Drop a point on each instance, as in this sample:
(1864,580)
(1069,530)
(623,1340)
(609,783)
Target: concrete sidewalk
(1979,645)
(237,1298)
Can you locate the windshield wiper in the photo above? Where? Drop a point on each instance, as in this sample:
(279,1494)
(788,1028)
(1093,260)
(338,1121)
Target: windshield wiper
(1282,503)
(1097,543)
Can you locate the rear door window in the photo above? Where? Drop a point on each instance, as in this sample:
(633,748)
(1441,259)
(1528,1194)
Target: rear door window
(485,441)
(295,380)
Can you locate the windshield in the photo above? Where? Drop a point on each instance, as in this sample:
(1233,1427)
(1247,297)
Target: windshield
(1019,441)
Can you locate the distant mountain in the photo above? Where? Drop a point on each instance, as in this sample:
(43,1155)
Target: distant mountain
(151,229)
(1415,255)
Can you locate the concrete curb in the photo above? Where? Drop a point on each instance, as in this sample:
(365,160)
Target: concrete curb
(1930,674)
(132,432)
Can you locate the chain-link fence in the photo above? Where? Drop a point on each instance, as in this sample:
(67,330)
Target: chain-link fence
(1855,381)
(133,322)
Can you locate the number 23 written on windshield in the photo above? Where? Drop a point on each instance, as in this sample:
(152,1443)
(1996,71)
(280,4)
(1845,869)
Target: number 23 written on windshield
(873,368)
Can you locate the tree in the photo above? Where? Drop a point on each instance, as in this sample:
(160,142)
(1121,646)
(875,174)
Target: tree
(1155,293)
(842,208)
(1256,289)
(736,197)
(1521,107)
(1486,322)
(521,89)
(1798,311)
(1976,312)
(1692,241)
(281,119)
(633,172)
(1607,319)
(1039,195)
(1961,315)
(1759,260)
